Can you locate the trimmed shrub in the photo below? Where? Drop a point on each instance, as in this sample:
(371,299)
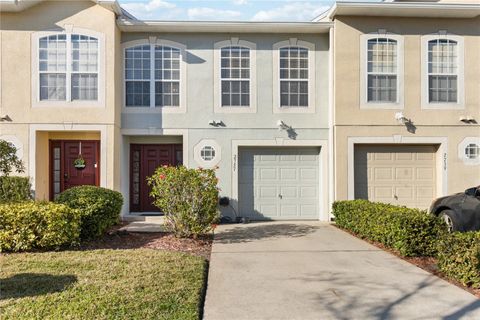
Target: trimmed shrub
(37,225)
(459,257)
(99,208)
(411,232)
(187,197)
(15,189)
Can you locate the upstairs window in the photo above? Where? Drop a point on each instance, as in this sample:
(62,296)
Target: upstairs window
(153,76)
(442,71)
(294,77)
(137,76)
(167,76)
(382,78)
(235,76)
(68,67)
(443,83)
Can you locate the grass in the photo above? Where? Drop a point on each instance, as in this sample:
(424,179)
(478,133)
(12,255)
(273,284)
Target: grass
(101,284)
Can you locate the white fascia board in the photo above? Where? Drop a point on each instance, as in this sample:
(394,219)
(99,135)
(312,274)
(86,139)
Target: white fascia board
(405,9)
(20,5)
(16,5)
(129,25)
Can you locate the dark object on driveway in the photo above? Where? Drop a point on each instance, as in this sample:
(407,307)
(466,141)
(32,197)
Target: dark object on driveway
(460,211)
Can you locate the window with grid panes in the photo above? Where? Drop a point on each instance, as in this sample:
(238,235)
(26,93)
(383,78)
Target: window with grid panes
(167,76)
(235,76)
(163,81)
(207,153)
(294,77)
(442,70)
(382,70)
(60,80)
(84,67)
(472,151)
(137,76)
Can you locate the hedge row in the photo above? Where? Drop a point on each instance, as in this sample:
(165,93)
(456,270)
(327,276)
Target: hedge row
(14,189)
(411,232)
(37,225)
(459,257)
(79,213)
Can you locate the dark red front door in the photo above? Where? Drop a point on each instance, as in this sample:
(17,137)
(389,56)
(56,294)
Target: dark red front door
(63,172)
(144,160)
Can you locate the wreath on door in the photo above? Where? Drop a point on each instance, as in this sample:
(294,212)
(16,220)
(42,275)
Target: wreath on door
(79,163)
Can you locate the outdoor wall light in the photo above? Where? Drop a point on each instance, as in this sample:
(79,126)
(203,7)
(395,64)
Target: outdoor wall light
(467,119)
(282,125)
(5,117)
(401,118)
(216,123)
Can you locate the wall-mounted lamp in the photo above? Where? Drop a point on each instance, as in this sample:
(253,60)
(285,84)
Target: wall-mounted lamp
(5,117)
(283,126)
(292,134)
(216,123)
(467,119)
(401,118)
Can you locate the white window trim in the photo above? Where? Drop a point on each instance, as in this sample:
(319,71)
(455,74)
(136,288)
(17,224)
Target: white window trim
(461,151)
(198,149)
(153,41)
(460,72)
(217,91)
(293,42)
(69,29)
(364,103)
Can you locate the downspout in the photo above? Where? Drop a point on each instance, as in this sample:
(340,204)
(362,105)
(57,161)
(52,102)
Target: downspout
(331,121)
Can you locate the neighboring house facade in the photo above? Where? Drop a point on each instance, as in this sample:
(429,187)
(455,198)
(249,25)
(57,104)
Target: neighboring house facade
(59,72)
(85,82)
(128,96)
(408,130)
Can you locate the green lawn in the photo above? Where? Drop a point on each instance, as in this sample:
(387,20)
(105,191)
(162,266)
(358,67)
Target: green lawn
(101,284)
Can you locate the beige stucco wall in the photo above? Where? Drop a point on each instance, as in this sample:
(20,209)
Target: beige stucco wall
(352,121)
(17,95)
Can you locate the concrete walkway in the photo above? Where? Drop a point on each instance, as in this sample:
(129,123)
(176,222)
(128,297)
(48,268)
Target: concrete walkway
(308,270)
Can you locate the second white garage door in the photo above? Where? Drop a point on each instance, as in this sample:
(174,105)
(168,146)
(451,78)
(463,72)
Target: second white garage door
(279,183)
(397,174)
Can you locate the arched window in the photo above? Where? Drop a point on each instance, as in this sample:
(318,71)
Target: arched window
(68,67)
(234,88)
(153,75)
(235,76)
(382,69)
(167,76)
(137,76)
(294,77)
(442,70)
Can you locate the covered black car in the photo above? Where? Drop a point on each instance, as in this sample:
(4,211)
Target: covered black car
(460,211)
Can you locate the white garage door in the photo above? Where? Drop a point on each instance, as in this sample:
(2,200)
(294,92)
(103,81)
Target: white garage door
(279,183)
(401,175)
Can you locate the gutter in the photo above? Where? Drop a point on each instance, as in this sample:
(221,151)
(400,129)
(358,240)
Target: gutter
(416,9)
(130,25)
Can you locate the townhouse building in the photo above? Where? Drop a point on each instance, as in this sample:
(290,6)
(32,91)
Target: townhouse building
(371,100)
(406,96)
(127,96)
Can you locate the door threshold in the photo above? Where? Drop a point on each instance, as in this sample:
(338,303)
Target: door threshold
(143,216)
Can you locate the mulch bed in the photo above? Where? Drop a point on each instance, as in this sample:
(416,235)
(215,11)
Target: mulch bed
(116,239)
(428,264)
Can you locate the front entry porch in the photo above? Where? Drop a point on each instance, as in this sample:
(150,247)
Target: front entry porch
(73,163)
(144,159)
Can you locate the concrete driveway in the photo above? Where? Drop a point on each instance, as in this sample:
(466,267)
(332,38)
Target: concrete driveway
(309,270)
